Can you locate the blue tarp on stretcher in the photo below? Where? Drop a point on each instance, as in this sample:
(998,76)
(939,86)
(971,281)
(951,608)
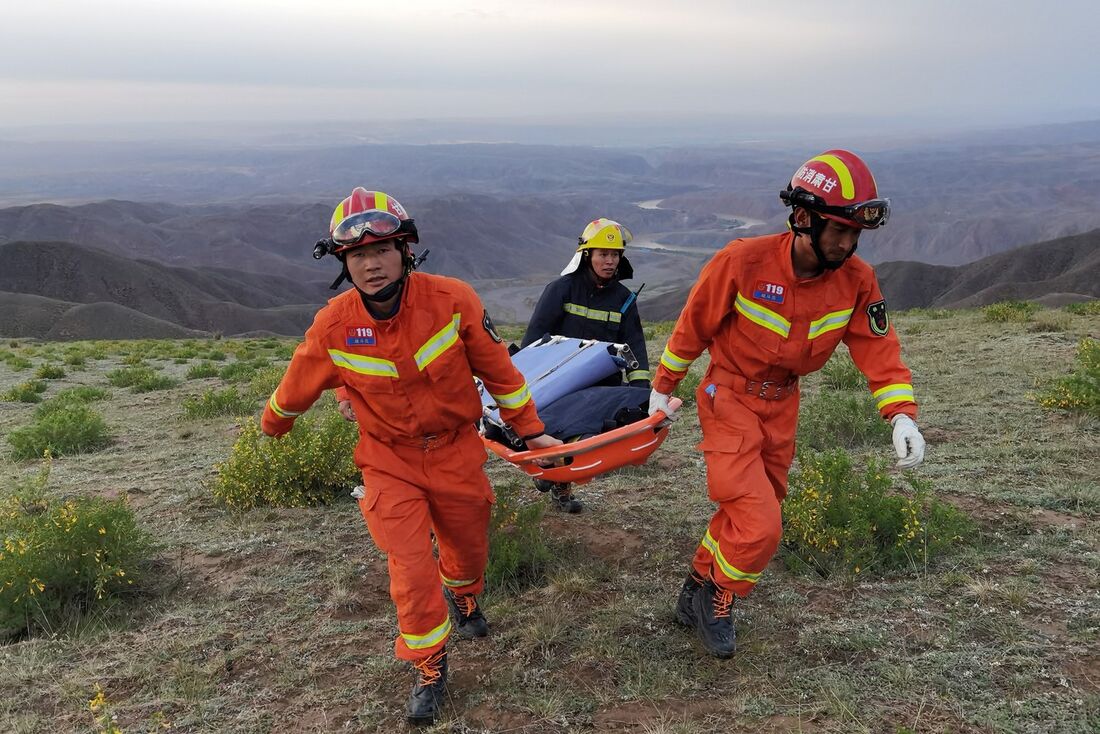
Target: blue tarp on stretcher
(557,366)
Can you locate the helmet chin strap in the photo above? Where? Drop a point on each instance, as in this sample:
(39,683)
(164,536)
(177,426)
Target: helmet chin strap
(817,226)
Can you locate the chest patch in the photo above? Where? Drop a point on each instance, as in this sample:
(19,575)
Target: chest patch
(877,318)
(360,336)
(770,292)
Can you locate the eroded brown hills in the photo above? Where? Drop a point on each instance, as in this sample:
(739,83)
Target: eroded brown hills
(1062,270)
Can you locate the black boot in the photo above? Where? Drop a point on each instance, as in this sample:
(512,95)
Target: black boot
(561,497)
(426,700)
(683,602)
(711,618)
(469,622)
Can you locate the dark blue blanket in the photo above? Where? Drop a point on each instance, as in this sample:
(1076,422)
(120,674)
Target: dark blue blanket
(594,410)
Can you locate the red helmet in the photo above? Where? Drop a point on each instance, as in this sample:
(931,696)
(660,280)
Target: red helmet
(367,217)
(838,185)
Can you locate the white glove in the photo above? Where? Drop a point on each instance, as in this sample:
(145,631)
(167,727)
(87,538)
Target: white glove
(907,441)
(658,401)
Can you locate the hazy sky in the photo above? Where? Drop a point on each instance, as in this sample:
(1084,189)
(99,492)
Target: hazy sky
(136,61)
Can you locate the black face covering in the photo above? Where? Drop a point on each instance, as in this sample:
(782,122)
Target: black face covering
(817,226)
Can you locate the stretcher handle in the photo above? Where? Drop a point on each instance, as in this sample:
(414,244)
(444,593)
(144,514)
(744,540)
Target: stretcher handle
(654,421)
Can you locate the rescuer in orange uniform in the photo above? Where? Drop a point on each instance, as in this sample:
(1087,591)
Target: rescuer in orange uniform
(770,309)
(405,347)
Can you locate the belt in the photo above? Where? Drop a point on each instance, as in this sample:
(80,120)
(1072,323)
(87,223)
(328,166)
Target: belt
(427,442)
(763,389)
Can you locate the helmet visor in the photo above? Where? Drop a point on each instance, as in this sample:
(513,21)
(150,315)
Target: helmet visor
(374,222)
(867,214)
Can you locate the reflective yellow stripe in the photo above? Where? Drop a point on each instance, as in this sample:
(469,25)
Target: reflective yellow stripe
(674,363)
(381,201)
(897,393)
(363,365)
(437,635)
(279,411)
(765,317)
(592,313)
(637,375)
(456,583)
(440,342)
(727,568)
(830,322)
(847,187)
(513,400)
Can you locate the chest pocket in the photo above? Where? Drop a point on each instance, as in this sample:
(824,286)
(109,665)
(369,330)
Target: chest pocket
(368,374)
(767,329)
(824,335)
(441,355)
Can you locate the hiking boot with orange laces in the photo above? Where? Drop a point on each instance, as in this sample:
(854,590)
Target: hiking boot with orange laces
(426,700)
(711,607)
(684,612)
(469,622)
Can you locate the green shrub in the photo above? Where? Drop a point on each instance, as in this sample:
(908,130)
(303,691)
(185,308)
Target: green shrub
(66,399)
(841,373)
(1080,390)
(264,382)
(310,465)
(201,370)
(75,359)
(63,559)
(839,519)
(25,392)
(237,372)
(518,554)
(141,378)
(18,363)
(832,419)
(154,382)
(82,394)
(1086,308)
(1005,311)
(49,372)
(135,360)
(212,403)
(79,429)
(216,355)
(130,376)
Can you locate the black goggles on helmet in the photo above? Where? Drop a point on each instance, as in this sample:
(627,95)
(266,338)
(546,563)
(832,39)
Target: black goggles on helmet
(869,214)
(373,222)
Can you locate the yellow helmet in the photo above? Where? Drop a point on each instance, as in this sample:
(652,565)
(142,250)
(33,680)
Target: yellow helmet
(603,234)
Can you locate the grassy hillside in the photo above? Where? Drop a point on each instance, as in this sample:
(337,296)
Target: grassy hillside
(279,619)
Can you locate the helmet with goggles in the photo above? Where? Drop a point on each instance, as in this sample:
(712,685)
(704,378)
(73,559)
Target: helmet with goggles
(838,185)
(603,234)
(367,217)
(364,218)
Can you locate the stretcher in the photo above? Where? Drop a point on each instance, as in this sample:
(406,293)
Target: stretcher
(557,366)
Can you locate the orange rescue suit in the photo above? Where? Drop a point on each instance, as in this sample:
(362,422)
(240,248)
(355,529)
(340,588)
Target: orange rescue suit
(764,327)
(410,380)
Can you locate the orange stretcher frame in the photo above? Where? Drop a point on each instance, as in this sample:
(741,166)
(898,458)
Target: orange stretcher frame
(583,460)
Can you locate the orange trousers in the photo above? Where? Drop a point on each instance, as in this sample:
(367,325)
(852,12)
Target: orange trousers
(748,446)
(435,486)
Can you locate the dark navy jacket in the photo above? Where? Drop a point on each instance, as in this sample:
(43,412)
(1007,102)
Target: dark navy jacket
(575,306)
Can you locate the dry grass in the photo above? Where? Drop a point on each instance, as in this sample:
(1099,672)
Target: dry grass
(279,620)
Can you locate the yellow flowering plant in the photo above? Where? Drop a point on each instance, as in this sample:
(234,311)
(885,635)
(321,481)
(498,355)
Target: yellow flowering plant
(838,518)
(1080,390)
(311,465)
(62,557)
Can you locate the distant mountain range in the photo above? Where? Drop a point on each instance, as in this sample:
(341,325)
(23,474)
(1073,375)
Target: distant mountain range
(1059,271)
(57,290)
